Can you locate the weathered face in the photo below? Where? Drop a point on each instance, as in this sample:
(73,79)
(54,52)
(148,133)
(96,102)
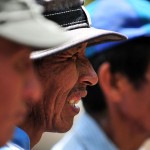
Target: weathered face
(64,78)
(18,84)
(135,104)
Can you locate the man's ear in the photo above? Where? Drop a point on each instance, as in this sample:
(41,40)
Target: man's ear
(113,85)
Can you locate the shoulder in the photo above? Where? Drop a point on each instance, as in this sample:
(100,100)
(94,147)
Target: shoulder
(69,142)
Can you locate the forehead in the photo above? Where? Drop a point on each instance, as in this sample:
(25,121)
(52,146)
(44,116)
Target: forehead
(79,48)
(55,59)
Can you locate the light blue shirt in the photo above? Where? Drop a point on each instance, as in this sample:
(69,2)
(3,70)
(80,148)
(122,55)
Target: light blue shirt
(85,135)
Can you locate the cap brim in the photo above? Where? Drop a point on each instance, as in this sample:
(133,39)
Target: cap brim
(38,33)
(91,35)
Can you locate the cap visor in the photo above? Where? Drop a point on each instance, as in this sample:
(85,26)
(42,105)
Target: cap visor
(91,35)
(38,33)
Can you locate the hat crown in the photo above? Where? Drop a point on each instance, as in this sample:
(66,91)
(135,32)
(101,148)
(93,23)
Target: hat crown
(69,14)
(15,5)
(58,5)
(11,5)
(11,10)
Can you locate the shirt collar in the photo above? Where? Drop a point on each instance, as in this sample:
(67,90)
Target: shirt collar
(21,138)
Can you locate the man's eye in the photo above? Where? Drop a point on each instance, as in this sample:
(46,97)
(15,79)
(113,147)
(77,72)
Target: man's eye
(74,57)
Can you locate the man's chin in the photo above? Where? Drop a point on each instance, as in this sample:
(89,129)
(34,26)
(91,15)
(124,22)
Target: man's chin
(61,128)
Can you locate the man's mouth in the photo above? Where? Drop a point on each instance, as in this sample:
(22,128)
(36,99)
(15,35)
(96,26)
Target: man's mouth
(75,100)
(74,106)
(73,103)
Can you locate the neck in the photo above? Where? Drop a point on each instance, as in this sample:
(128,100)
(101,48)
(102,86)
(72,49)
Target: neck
(34,124)
(126,135)
(34,133)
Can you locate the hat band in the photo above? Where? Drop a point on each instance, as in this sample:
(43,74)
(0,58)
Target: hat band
(71,18)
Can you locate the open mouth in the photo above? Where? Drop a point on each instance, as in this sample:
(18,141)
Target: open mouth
(73,103)
(75,98)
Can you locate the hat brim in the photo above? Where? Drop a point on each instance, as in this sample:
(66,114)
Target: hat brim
(38,33)
(90,35)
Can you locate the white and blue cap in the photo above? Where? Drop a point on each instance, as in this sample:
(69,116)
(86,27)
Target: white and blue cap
(21,21)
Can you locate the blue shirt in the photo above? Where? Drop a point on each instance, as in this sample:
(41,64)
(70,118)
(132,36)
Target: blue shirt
(21,138)
(20,141)
(85,135)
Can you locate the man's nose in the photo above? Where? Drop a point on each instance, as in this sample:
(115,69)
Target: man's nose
(87,74)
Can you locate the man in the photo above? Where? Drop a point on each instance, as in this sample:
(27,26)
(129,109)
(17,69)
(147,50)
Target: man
(22,28)
(117,108)
(64,76)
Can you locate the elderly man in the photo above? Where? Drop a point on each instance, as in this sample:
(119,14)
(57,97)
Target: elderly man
(118,107)
(21,29)
(65,75)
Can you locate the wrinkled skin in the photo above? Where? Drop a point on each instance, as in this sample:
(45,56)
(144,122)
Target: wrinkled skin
(18,85)
(64,77)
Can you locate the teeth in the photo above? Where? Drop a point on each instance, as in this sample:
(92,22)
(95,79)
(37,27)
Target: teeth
(77,106)
(72,102)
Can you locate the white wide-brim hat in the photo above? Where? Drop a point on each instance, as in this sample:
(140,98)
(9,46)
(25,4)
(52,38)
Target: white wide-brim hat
(77,23)
(21,21)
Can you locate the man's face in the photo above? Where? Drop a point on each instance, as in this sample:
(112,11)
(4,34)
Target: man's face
(64,77)
(16,73)
(135,104)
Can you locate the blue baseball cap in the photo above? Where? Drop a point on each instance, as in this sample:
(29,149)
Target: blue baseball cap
(129,17)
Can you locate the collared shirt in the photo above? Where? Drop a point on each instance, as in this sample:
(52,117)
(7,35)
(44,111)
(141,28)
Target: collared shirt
(20,141)
(85,135)
(21,138)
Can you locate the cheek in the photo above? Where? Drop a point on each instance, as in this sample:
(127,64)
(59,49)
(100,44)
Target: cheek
(144,103)
(11,93)
(136,104)
(11,97)
(57,88)
(67,76)
(142,100)
(9,105)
